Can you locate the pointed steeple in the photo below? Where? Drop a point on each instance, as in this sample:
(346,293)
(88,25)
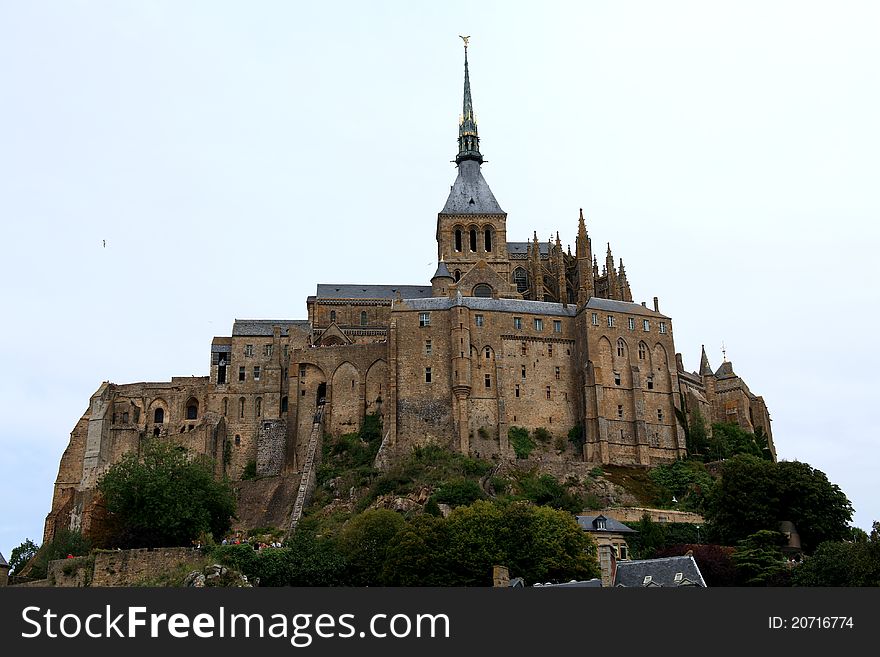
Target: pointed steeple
(536,274)
(468,139)
(595,267)
(585,268)
(470,194)
(625,293)
(705,368)
(581,243)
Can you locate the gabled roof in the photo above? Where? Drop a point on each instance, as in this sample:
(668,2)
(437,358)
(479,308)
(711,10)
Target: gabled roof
(661,571)
(352,291)
(725,371)
(470,193)
(3,561)
(612,526)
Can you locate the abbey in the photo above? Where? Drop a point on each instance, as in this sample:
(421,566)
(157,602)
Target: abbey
(505,334)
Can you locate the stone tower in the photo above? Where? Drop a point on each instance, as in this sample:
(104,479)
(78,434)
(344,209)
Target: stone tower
(471,227)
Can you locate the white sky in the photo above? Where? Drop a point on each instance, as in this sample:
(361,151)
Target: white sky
(234,155)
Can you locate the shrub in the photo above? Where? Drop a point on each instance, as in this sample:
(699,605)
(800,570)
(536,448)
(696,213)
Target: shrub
(459,492)
(520,441)
(542,434)
(250,470)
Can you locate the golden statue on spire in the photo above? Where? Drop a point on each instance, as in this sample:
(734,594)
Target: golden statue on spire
(465,39)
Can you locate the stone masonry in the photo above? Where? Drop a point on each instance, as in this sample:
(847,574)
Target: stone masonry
(505,334)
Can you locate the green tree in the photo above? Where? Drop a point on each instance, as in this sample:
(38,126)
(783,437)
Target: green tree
(758,558)
(66,542)
(554,548)
(164,498)
(417,555)
(537,543)
(304,561)
(650,538)
(459,492)
(687,480)
(697,435)
(819,509)
(754,494)
(839,563)
(363,543)
(21,555)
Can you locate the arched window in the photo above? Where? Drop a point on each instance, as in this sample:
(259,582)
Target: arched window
(458,239)
(363,318)
(259,407)
(192,409)
(332,316)
(482,290)
(521,279)
(487,239)
(621,347)
(159,416)
(457,275)
(237,440)
(474,240)
(642,349)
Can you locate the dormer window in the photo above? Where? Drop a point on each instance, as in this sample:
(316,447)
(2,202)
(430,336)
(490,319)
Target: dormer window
(648,580)
(679,577)
(600,522)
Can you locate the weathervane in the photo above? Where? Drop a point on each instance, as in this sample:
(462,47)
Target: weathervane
(724,351)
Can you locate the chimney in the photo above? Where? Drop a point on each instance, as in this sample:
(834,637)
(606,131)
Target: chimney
(608,565)
(500,577)
(656,305)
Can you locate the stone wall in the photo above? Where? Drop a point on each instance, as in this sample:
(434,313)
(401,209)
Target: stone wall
(271,442)
(129,567)
(634,514)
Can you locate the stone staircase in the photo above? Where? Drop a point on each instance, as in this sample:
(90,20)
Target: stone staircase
(308,476)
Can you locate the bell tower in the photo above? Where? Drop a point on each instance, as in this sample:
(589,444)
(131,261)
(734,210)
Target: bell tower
(471,227)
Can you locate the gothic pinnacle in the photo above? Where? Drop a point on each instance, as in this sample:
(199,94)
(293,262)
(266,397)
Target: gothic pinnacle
(468,139)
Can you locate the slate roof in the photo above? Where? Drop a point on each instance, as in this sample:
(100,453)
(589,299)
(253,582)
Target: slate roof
(725,371)
(612,526)
(351,291)
(522,248)
(662,571)
(470,193)
(263,327)
(442,271)
(611,305)
(521,306)
(3,561)
(588,583)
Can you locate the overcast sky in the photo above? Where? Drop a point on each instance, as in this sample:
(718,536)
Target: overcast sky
(233,155)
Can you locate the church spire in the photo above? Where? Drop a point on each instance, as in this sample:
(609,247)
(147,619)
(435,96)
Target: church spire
(705,369)
(468,140)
